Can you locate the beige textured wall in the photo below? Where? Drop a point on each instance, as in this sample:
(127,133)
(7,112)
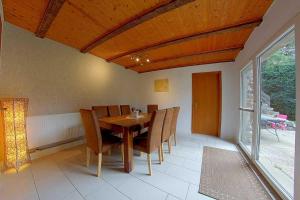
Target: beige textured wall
(57,78)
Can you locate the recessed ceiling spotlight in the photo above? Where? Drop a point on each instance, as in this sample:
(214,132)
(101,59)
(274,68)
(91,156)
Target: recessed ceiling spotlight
(148,60)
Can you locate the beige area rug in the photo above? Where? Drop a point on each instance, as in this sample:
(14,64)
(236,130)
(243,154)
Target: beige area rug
(226,175)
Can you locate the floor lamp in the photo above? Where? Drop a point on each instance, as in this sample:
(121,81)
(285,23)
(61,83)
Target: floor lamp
(13,130)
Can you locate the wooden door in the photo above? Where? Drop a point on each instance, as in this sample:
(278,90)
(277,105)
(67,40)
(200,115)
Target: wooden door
(206,103)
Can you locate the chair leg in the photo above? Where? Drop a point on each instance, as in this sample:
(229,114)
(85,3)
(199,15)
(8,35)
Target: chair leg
(99,164)
(162,151)
(88,156)
(169,145)
(149,163)
(109,152)
(122,152)
(277,135)
(159,154)
(175,139)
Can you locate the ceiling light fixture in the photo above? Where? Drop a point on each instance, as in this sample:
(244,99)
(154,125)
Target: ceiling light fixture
(140,59)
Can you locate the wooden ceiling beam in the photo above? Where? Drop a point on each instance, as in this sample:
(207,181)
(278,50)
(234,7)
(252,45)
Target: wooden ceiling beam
(234,48)
(187,65)
(163,7)
(50,13)
(232,28)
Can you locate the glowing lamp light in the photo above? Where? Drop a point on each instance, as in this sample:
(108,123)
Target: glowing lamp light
(140,60)
(14,113)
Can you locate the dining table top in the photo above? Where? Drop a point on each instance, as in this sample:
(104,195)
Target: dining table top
(127,121)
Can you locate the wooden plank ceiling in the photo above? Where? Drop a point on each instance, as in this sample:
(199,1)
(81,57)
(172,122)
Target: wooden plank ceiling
(144,35)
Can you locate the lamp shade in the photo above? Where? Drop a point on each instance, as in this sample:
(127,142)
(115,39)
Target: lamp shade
(13,120)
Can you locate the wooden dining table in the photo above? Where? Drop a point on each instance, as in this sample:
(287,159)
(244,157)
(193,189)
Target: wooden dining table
(127,125)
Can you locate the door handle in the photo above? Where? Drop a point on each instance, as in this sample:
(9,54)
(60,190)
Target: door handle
(246,109)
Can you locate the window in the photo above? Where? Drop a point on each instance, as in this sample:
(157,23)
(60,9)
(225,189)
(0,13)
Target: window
(276,140)
(267,134)
(246,107)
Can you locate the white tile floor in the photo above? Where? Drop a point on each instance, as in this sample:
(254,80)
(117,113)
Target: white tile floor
(63,176)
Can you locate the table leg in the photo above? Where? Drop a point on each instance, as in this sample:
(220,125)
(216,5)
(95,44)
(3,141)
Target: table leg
(128,150)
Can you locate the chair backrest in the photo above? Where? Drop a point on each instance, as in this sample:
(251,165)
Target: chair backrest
(101,111)
(166,132)
(174,120)
(92,132)
(125,109)
(114,111)
(151,108)
(155,130)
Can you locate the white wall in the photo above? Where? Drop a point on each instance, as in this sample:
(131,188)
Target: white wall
(180,94)
(58,80)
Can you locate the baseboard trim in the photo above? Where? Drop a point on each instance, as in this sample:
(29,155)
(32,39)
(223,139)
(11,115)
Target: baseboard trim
(52,148)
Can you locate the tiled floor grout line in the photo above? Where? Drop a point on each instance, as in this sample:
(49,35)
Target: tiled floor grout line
(178,166)
(150,184)
(33,178)
(183,165)
(115,188)
(154,185)
(187,191)
(185,159)
(167,196)
(69,180)
(91,192)
(177,177)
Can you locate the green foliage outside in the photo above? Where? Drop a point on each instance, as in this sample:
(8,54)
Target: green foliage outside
(279,81)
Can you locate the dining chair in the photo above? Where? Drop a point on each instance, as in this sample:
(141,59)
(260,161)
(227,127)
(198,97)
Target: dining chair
(151,108)
(166,131)
(151,140)
(101,111)
(114,110)
(174,122)
(125,109)
(95,142)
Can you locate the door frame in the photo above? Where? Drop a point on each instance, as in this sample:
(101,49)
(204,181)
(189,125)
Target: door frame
(219,73)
